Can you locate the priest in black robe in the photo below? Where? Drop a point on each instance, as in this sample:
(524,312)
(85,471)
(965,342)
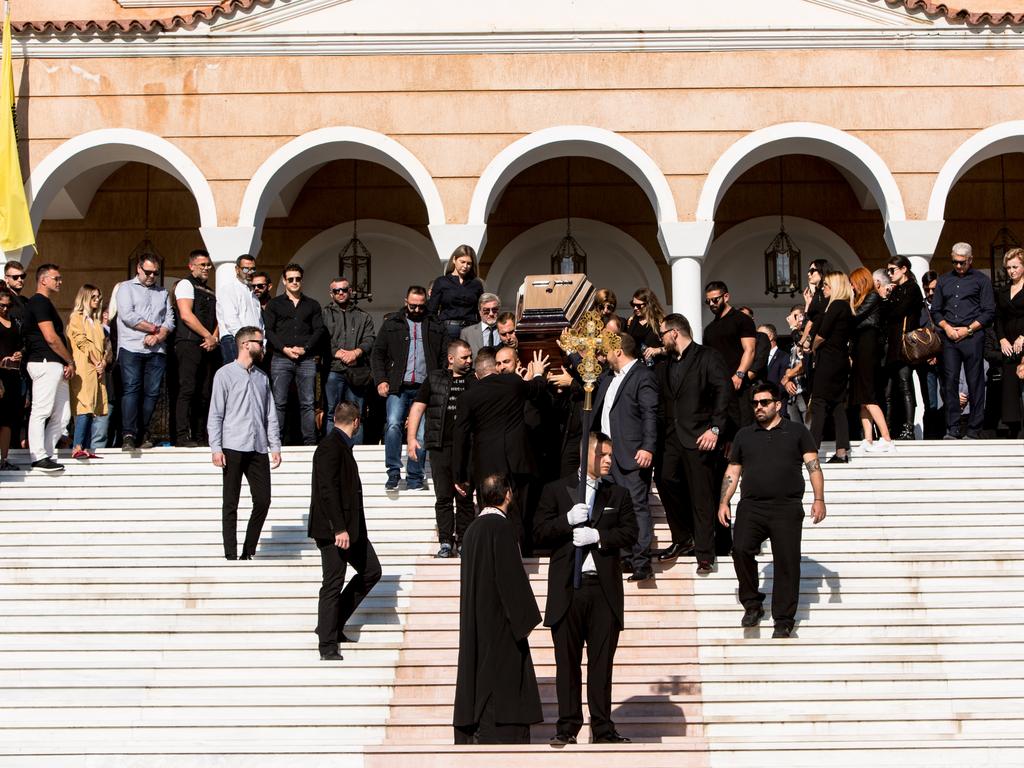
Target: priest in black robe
(496,695)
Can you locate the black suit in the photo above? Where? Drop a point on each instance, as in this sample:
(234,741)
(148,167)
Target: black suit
(633,426)
(336,506)
(695,394)
(593,614)
(489,424)
(777,367)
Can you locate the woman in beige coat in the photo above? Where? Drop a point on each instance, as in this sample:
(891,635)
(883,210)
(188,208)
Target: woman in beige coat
(89,348)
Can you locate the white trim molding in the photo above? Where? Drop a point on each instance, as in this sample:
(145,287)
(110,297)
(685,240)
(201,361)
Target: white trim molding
(268,187)
(574,141)
(70,175)
(993,141)
(832,144)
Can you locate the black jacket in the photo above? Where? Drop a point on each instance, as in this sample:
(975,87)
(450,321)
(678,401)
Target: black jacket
(696,394)
(436,413)
(634,414)
(391,349)
(336,502)
(294,325)
(489,417)
(204,307)
(612,516)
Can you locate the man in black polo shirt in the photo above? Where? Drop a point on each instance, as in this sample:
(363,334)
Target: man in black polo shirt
(734,335)
(768,455)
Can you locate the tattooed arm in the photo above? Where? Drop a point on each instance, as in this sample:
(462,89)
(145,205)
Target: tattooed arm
(817,484)
(729,484)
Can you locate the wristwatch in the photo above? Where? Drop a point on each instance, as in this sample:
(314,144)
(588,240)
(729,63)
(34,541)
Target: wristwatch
(715,431)
(740,374)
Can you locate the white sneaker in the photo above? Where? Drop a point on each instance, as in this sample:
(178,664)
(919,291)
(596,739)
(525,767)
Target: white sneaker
(885,446)
(865,447)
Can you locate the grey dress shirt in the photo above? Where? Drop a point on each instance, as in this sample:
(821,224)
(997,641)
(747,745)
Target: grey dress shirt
(135,304)
(243,416)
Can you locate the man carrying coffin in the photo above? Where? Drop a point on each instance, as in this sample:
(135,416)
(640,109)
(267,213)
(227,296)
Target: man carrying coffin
(496,696)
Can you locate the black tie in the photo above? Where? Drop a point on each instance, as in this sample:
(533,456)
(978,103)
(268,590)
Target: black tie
(490,337)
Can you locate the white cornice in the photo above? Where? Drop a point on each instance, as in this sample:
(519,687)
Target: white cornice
(213,45)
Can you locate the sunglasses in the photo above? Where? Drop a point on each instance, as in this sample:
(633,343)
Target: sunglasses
(891,270)
(634,305)
(205,266)
(763,403)
(960,263)
(293,279)
(151,272)
(16,277)
(248,270)
(340,290)
(713,300)
(608,306)
(486,311)
(259,285)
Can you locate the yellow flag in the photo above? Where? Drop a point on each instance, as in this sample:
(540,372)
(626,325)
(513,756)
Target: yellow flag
(15,224)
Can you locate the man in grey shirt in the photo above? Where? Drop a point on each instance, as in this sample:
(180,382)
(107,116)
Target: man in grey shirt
(144,321)
(242,425)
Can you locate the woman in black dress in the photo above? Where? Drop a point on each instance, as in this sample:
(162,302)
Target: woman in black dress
(454,296)
(904,306)
(1010,333)
(814,299)
(831,348)
(11,401)
(644,324)
(866,353)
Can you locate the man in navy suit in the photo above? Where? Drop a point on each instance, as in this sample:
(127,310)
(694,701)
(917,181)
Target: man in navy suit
(778,362)
(626,405)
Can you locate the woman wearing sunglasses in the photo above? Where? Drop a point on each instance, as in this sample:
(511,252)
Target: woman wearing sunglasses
(644,323)
(88,345)
(905,303)
(831,348)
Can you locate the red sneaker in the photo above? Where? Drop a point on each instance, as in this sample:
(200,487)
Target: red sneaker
(80,454)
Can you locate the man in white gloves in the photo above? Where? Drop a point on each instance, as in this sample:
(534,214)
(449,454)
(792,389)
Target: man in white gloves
(586,610)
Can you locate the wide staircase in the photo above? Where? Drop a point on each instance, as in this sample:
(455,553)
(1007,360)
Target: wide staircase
(126,639)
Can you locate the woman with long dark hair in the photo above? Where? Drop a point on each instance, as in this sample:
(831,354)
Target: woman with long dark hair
(831,348)
(644,324)
(455,294)
(815,301)
(904,305)
(866,354)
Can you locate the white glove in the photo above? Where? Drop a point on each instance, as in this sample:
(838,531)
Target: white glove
(579,513)
(584,537)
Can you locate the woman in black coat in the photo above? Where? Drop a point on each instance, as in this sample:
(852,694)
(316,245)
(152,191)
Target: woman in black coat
(903,310)
(831,348)
(1010,333)
(454,297)
(866,352)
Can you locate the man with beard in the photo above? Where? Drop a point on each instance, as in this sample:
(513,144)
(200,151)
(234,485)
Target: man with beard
(243,425)
(496,696)
(437,399)
(768,455)
(196,348)
(734,335)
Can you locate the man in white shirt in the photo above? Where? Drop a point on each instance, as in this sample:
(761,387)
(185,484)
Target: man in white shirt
(237,307)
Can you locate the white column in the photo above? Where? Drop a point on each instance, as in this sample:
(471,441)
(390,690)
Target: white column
(226,244)
(688,292)
(448,237)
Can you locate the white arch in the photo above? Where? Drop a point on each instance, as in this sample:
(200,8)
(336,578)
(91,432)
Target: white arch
(572,140)
(302,156)
(990,142)
(832,144)
(90,158)
(596,237)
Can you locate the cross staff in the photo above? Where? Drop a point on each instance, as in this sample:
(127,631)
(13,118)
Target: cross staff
(587,339)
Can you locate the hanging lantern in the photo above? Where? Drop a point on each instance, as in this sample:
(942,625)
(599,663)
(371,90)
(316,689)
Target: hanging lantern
(1004,241)
(355,260)
(568,258)
(782,270)
(146,249)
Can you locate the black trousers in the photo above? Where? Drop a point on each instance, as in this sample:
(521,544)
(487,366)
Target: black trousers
(821,409)
(589,621)
(336,606)
(255,467)
(488,731)
(686,482)
(900,397)
(195,372)
(449,526)
(638,483)
(969,354)
(783,526)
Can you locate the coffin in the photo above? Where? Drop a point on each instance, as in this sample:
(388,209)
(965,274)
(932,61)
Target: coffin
(546,305)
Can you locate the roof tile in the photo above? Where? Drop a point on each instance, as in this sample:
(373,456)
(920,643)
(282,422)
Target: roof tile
(143,26)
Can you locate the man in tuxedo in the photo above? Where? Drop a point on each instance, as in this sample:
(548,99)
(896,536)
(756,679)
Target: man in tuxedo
(489,419)
(695,400)
(338,525)
(485,333)
(592,612)
(626,404)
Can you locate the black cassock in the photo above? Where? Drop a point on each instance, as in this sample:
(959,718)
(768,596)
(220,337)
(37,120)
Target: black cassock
(496,695)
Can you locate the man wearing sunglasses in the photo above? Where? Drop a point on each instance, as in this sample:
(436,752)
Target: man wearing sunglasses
(196,349)
(144,321)
(295,327)
(485,333)
(350,335)
(237,305)
(14,275)
(768,454)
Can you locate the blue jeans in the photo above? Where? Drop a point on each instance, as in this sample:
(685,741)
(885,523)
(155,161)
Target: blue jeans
(141,377)
(83,430)
(394,433)
(339,389)
(282,371)
(228,349)
(100,427)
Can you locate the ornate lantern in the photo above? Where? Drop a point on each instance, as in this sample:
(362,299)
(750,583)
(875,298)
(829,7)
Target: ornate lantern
(782,270)
(568,257)
(355,260)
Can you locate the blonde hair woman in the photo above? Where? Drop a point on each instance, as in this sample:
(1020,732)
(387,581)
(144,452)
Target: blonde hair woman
(831,349)
(89,350)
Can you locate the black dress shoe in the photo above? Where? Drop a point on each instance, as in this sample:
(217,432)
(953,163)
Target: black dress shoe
(245,557)
(837,459)
(782,630)
(612,737)
(752,616)
(561,739)
(704,567)
(642,575)
(676,550)
(627,567)
(343,638)
(331,656)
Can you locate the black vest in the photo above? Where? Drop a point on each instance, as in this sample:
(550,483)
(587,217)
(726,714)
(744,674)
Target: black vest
(437,409)
(204,307)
